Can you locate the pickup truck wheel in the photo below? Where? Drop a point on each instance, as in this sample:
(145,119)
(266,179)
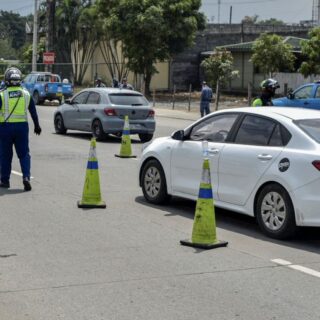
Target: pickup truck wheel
(36,97)
(59,125)
(97,130)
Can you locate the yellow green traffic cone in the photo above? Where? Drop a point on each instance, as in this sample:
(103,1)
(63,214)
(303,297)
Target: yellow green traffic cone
(125,150)
(91,196)
(204,233)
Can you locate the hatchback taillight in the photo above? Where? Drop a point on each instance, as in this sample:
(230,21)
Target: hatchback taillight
(316,164)
(110,112)
(151,113)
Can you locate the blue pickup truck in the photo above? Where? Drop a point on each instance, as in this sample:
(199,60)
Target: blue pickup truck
(306,96)
(47,86)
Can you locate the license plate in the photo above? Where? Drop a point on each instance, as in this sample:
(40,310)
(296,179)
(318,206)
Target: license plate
(134,126)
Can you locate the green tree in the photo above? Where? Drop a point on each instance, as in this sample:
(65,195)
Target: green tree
(219,70)
(311,50)
(271,54)
(250,19)
(272,21)
(152,30)
(77,35)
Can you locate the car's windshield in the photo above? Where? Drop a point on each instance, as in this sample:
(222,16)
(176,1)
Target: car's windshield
(311,127)
(128,99)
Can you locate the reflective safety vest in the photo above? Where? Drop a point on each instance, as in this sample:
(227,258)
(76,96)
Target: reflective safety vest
(257,102)
(15,100)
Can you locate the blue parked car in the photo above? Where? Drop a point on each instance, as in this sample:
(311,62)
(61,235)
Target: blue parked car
(306,96)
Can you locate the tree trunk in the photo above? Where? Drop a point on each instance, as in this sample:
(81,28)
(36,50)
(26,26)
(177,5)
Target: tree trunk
(217,95)
(147,81)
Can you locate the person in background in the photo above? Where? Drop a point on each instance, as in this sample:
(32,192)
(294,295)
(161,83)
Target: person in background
(14,128)
(206,97)
(268,90)
(125,85)
(99,83)
(115,83)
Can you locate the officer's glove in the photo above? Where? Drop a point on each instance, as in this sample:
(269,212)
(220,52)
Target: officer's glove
(37,130)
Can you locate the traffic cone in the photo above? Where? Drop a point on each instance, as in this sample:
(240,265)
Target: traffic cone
(125,150)
(91,196)
(204,234)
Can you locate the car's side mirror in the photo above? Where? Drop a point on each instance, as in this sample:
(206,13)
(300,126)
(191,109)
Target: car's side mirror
(178,135)
(290,95)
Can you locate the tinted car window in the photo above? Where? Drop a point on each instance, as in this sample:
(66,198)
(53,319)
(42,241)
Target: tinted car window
(93,98)
(128,99)
(81,98)
(255,131)
(318,92)
(214,129)
(311,127)
(303,93)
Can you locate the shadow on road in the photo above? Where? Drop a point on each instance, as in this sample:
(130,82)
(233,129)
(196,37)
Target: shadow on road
(88,136)
(307,239)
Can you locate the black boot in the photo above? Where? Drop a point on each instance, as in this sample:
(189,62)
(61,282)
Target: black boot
(27,185)
(5,185)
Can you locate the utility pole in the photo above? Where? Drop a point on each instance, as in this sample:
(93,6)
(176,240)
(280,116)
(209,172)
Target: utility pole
(219,4)
(230,16)
(51,6)
(35,36)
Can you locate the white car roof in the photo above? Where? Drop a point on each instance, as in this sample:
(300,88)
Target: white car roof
(287,112)
(112,90)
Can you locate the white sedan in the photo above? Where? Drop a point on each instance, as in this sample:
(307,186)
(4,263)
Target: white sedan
(264,161)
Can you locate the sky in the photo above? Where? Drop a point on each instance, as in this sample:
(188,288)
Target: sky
(291,11)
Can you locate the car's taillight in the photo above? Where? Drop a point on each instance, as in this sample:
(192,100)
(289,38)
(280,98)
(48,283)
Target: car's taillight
(46,87)
(151,113)
(110,112)
(316,164)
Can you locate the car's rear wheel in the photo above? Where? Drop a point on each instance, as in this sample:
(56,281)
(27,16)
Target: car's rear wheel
(275,212)
(153,181)
(145,137)
(59,124)
(97,130)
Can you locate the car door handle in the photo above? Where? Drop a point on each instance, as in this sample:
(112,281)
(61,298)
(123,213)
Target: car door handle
(213,151)
(265,156)
(306,102)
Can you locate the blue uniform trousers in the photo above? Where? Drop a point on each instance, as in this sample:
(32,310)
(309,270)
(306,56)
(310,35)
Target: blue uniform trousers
(17,135)
(204,108)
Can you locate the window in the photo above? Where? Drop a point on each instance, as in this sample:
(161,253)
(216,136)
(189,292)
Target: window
(128,99)
(257,131)
(215,129)
(318,92)
(81,98)
(311,127)
(93,98)
(303,93)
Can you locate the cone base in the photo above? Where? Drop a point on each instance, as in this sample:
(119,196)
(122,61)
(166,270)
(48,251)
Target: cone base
(120,156)
(101,205)
(205,246)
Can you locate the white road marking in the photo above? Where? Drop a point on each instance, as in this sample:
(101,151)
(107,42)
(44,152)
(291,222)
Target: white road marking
(18,174)
(296,267)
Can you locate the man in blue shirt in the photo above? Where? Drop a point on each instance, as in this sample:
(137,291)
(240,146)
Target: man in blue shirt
(206,97)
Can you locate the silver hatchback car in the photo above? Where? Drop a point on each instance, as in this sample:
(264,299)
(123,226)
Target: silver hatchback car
(102,111)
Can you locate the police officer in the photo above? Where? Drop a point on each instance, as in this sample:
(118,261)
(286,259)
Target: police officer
(268,90)
(99,83)
(206,97)
(14,129)
(125,85)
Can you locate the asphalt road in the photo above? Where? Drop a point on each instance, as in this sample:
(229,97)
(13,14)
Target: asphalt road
(125,261)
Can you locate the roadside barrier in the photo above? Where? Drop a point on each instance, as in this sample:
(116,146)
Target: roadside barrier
(125,150)
(91,196)
(204,234)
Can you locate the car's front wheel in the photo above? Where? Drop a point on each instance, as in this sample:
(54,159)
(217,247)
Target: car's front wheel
(275,212)
(153,181)
(97,130)
(145,137)
(59,124)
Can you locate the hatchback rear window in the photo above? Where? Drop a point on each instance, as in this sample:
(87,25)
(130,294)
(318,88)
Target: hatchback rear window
(310,127)
(128,99)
